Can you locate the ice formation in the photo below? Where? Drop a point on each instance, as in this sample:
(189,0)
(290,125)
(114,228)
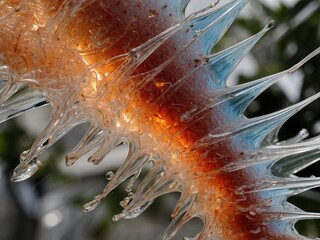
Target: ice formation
(142,73)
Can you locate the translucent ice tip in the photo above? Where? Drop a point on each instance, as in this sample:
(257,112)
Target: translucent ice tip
(24,171)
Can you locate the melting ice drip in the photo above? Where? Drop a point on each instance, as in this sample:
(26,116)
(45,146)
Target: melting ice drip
(107,93)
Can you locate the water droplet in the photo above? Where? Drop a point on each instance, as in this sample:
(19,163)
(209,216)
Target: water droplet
(24,171)
(109,175)
(130,195)
(124,203)
(118,217)
(129,187)
(90,206)
(131,181)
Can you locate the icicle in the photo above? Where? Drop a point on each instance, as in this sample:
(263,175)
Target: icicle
(8,89)
(175,225)
(25,170)
(272,138)
(297,184)
(218,22)
(284,157)
(24,100)
(60,124)
(303,134)
(274,152)
(258,157)
(209,25)
(145,196)
(161,184)
(293,164)
(145,78)
(93,138)
(133,214)
(255,128)
(291,216)
(291,149)
(141,53)
(167,185)
(184,203)
(291,146)
(132,180)
(224,62)
(203,28)
(132,165)
(206,232)
(109,143)
(240,96)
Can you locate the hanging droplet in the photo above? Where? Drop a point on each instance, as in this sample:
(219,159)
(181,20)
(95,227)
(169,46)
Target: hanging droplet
(131,181)
(124,203)
(24,171)
(118,217)
(90,206)
(134,212)
(109,175)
